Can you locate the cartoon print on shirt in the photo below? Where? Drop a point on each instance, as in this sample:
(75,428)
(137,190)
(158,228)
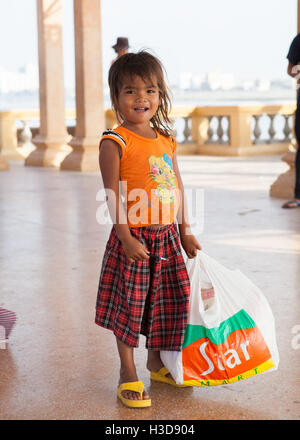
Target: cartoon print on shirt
(161,170)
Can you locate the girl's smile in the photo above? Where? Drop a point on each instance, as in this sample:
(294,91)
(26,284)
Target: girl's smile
(138,99)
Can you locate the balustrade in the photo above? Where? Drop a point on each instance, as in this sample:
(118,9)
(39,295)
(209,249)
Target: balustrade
(272,128)
(218,130)
(231,130)
(236,130)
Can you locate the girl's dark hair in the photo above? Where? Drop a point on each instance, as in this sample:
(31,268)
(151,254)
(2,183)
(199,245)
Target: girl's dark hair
(144,65)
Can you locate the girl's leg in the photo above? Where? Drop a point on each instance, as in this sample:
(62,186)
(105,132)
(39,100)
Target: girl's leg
(154,362)
(128,370)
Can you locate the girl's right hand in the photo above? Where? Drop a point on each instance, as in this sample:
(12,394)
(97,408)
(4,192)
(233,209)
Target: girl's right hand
(135,250)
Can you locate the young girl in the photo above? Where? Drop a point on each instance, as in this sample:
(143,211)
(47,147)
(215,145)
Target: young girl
(144,286)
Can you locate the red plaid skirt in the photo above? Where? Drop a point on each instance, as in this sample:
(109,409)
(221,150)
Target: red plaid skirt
(148,297)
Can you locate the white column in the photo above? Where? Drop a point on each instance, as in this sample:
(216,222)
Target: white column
(89,93)
(51,143)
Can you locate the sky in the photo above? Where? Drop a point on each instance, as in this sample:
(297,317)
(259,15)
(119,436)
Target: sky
(249,38)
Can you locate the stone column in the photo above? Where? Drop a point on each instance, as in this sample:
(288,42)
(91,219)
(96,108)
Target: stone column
(8,136)
(3,163)
(89,93)
(283,187)
(51,143)
(5,139)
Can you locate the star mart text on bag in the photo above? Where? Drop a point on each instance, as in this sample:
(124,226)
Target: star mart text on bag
(233,351)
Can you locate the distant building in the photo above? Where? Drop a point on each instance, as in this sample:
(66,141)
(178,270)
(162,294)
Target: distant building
(26,79)
(191,81)
(214,80)
(287,83)
(248,84)
(185,80)
(228,81)
(262,85)
(218,80)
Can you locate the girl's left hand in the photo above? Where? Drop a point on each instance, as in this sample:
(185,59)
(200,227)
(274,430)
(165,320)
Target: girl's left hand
(190,245)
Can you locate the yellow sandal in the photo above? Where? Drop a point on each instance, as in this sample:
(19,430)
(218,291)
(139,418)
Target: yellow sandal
(137,387)
(161,376)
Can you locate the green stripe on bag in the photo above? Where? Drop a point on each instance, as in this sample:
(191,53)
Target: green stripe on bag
(218,335)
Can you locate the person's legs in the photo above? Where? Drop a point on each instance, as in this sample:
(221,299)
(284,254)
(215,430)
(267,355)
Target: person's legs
(295,202)
(128,370)
(169,281)
(297,161)
(297,167)
(154,362)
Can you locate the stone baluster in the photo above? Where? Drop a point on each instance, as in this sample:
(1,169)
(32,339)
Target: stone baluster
(220,130)
(174,130)
(26,146)
(210,131)
(287,129)
(186,130)
(256,130)
(25,134)
(272,130)
(228,130)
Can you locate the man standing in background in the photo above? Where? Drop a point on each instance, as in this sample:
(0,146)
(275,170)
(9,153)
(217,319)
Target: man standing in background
(121,46)
(293,70)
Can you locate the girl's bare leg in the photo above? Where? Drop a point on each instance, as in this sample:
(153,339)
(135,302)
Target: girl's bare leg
(154,362)
(128,370)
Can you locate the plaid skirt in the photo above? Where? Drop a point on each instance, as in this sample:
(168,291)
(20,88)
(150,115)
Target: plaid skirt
(148,297)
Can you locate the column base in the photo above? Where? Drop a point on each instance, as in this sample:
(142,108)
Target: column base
(25,150)
(284,185)
(20,153)
(84,157)
(3,163)
(48,153)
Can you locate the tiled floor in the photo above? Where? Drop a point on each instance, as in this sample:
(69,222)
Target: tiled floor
(60,365)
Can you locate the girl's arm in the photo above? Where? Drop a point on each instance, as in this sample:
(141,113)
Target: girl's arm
(109,161)
(189,242)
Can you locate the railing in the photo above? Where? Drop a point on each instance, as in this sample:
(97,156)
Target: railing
(18,127)
(277,128)
(236,130)
(228,130)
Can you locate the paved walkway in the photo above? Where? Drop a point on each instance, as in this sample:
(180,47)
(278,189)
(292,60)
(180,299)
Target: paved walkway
(60,365)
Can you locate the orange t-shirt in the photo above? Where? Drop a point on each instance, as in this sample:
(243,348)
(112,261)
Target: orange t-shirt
(149,183)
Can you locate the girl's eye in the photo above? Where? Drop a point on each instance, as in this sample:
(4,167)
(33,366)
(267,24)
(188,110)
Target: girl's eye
(129,92)
(151,91)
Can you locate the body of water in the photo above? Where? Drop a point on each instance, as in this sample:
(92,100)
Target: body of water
(190,98)
(30,100)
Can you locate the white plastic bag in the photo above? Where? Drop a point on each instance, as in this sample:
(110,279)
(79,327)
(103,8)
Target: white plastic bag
(230,334)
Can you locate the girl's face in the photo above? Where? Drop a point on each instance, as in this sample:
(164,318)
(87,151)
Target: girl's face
(138,99)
